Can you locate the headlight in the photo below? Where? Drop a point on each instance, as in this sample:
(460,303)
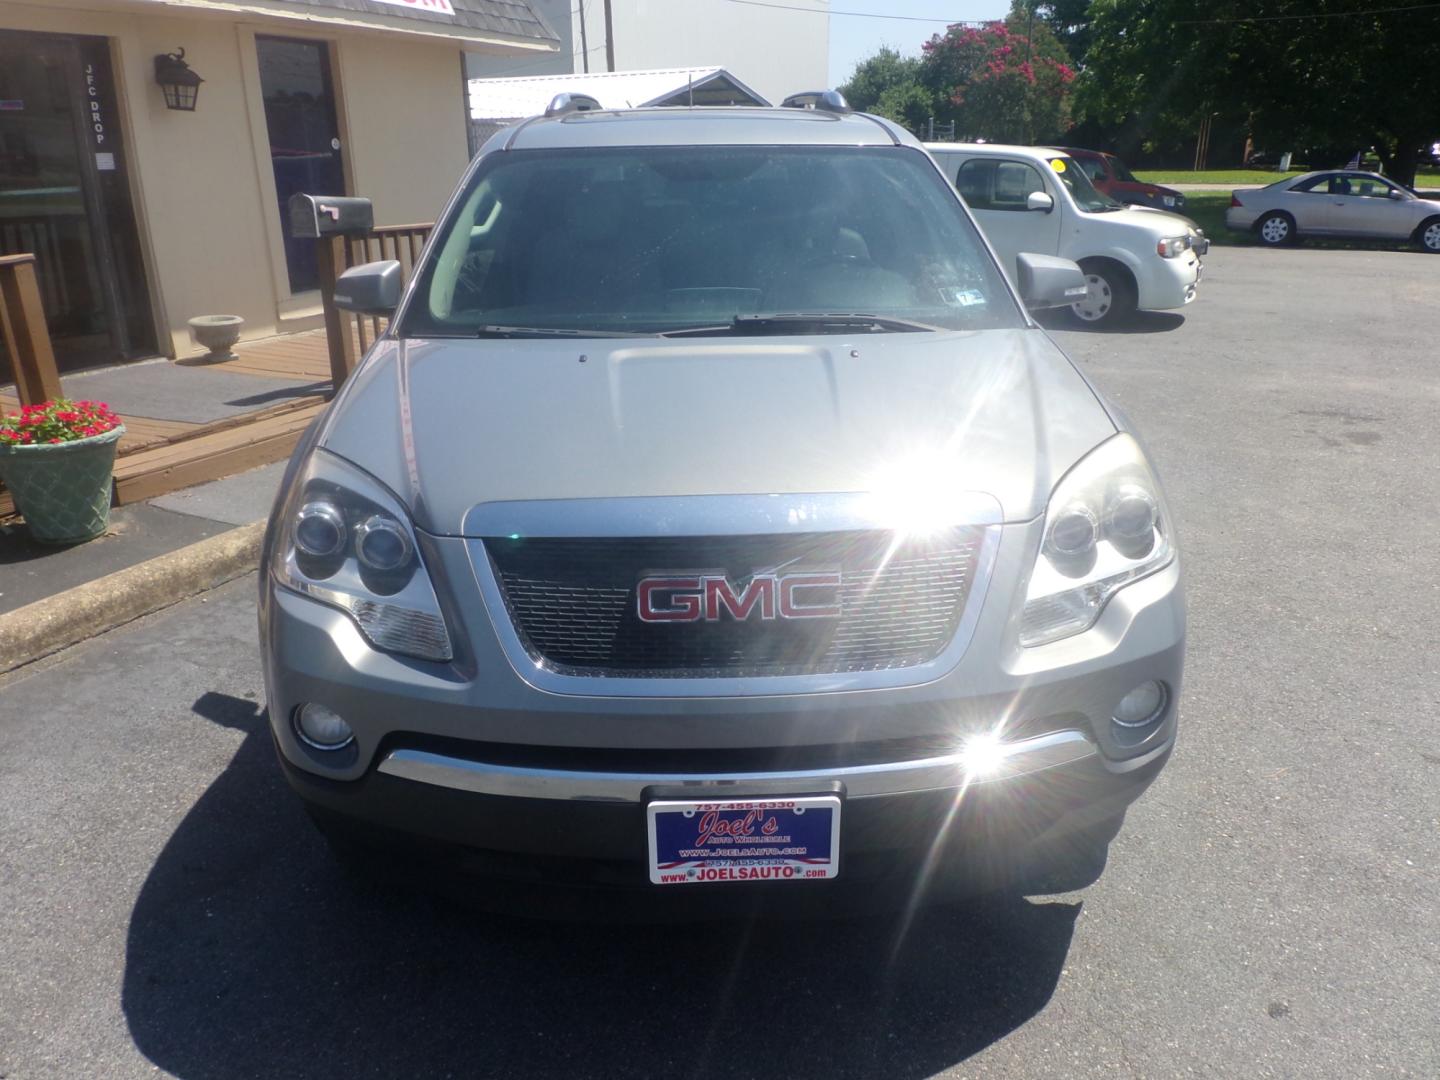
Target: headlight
(346,541)
(1168,200)
(1104,528)
(1172,246)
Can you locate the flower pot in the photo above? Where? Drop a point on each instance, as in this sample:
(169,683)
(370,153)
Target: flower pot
(62,489)
(218,333)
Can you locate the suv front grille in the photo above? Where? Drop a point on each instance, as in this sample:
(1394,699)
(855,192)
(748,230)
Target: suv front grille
(573,602)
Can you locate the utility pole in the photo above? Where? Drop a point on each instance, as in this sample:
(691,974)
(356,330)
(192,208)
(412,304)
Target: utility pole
(1029,56)
(584,42)
(609,40)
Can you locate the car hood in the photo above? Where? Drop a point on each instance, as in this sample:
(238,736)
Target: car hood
(1160,223)
(450,424)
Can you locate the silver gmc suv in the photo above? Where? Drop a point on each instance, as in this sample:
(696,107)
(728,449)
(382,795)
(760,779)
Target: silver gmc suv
(713,518)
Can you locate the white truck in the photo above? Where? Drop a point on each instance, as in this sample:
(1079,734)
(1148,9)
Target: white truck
(1029,199)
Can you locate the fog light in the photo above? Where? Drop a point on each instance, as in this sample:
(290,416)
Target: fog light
(1141,706)
(322,728)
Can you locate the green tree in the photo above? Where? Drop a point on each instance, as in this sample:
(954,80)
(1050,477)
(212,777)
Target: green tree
(1297,72)
(1002,81)
(889,85)
(1069,21)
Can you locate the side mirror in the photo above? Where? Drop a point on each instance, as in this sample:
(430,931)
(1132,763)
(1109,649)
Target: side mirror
(1039,200)
(370,289)
(1398,196)
(1048,282)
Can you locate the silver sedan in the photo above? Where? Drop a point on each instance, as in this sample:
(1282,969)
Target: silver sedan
(1337,203)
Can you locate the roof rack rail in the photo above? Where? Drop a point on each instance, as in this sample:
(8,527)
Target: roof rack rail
(822,100)
(561,104)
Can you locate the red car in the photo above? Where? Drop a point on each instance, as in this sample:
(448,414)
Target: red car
(1113,177)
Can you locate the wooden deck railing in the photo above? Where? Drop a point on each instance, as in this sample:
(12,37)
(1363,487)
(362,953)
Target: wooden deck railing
(350,335)
(24,338)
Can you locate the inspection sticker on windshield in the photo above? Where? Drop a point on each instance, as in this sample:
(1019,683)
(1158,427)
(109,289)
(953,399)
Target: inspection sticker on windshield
(967,298)
(696,843)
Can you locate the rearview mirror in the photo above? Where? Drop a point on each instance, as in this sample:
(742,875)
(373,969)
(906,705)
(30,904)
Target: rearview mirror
(370,289)
(1039,200)
(1048,282)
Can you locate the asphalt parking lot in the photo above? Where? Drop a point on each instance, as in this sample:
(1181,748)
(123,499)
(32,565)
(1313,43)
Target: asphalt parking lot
(1270,908)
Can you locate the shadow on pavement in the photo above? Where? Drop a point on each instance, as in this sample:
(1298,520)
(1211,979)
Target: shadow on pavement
(250,953)
(1142,322)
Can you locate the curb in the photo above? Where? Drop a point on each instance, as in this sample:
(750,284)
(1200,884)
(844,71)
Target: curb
(68,618)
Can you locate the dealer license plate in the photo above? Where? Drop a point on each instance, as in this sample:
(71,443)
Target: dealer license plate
(697,843)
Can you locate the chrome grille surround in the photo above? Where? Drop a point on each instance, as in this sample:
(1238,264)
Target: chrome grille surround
(909,602)
(572,603)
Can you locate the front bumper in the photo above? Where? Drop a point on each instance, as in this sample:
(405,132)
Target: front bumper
(952,840)
(474,756)
(1171,284)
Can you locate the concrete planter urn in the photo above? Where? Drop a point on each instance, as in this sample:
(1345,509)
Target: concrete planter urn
(218,333)
(63,488)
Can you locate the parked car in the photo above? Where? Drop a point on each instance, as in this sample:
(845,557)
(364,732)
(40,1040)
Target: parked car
(1113,177)
(1038,200)
(712,511)
(1335,203)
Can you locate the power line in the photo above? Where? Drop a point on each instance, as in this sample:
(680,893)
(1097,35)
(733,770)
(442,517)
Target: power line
(1309,15)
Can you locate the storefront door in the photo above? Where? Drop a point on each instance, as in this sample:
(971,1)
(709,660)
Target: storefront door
(65,198)
(304,136)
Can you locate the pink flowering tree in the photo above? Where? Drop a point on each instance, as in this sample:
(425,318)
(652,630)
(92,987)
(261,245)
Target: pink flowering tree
(1001,81)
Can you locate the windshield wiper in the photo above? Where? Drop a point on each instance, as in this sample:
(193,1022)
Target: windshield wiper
(550,331)
(804,322)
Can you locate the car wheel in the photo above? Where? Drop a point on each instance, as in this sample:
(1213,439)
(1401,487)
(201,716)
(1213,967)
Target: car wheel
(1276,229)
(1109,295)
(1428,236)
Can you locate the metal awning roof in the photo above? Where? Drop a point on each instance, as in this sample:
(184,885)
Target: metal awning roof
(473,22)
(511,99)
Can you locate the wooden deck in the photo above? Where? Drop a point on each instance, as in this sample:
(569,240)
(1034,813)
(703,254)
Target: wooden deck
(293,356)
(159,455)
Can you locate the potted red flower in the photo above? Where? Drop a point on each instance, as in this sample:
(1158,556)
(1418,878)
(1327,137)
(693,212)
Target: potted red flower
(57,458)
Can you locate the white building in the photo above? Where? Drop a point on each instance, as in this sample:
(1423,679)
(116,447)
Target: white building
(775,51)
(498,103)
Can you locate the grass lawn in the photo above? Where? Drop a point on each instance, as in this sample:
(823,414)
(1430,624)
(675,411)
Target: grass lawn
(1207,209)
(1425,177)
(1238,177)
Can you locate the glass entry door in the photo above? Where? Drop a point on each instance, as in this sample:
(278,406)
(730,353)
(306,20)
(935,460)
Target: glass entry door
(304,136)
(64,196)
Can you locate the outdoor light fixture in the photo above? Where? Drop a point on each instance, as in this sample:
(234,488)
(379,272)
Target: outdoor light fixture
(180,85)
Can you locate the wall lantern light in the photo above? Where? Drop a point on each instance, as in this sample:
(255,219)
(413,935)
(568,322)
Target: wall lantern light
(180,85)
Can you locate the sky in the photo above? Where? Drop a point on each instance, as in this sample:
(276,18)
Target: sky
(854,38)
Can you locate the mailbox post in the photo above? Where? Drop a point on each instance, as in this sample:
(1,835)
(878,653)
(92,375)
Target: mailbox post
(329,220)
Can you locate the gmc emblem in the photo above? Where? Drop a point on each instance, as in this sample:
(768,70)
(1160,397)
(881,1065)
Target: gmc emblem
(687,598)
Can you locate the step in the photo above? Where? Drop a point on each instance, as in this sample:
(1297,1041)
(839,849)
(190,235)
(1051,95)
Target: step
(162,469)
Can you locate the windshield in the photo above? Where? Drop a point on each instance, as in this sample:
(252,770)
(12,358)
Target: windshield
(669,239)
(1080,187)
(1122,171)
